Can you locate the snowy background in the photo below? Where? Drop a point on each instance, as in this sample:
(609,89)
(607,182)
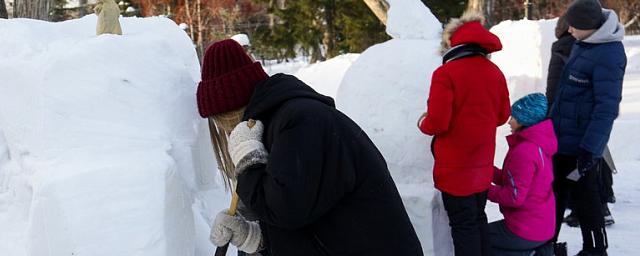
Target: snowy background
(102,151)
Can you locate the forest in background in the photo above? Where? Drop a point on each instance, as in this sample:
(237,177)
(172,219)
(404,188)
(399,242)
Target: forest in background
(286,29)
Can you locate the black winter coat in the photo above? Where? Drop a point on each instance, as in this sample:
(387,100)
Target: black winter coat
(326,189)
(560,52)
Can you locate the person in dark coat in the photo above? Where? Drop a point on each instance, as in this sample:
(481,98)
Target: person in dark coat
(560,51)
(468,100)
(316,182)
(585,106)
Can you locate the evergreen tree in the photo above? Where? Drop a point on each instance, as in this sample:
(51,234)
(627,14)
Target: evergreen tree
(317,28)
(446,9)
(358,34)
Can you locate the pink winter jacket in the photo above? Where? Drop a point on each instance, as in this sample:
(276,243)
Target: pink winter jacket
(523,187)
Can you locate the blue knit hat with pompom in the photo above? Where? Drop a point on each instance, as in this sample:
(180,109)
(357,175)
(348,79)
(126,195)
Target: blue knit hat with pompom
(530,109)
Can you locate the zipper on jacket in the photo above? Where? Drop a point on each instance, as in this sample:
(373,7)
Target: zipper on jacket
(513,184)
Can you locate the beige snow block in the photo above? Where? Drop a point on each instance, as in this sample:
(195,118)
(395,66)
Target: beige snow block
(108,13)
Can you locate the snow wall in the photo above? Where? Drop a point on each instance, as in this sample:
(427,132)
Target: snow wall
(385,91)
(99,148)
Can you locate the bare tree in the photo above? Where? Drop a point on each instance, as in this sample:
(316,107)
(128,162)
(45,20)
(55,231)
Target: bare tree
(482,6)
(379,8)
(198,19)
(83,10)
(3,10)
(34,9)
(632,21)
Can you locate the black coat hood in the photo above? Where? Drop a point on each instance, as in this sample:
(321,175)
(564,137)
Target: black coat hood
(278,89)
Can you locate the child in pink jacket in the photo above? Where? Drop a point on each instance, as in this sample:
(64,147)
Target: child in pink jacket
(523,187)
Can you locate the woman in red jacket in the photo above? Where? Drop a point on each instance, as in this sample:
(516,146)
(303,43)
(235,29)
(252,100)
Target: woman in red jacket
(468,100)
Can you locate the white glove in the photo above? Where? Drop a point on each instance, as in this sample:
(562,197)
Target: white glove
(245,146)
(245,235)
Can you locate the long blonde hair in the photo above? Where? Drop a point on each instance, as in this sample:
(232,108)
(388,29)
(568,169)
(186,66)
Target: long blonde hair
(220,126)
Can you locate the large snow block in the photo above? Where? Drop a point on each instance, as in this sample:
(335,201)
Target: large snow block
(128,207)
(526,51)
(385,91)
(103,131)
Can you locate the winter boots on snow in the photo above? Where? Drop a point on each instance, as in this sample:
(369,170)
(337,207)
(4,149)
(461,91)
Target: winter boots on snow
(572,219)
(560,249)
(586,253)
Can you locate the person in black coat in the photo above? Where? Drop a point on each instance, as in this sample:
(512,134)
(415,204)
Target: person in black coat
(316,182)
(560,51)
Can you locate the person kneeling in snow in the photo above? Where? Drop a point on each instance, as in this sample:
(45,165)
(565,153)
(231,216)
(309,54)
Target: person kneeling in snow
(315,181)
(523,188)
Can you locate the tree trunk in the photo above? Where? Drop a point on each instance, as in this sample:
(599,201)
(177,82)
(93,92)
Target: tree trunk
(379,8)
(632,21)
(200,27)
(488,10)
(33,9)
(3,10)
(83,10)
(329,39)
(482,6)
(475,5)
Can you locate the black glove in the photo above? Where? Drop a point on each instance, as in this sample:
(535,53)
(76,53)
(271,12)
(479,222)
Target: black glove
(586,161)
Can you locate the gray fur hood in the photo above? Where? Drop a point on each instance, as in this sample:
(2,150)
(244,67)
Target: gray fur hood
(610,31)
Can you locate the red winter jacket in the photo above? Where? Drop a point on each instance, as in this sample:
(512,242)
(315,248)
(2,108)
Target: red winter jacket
(468,100)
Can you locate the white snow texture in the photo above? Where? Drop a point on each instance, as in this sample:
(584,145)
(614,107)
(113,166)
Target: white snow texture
(101,155)
(385,91)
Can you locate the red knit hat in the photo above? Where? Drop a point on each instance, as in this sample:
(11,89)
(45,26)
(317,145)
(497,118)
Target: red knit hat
(229,77)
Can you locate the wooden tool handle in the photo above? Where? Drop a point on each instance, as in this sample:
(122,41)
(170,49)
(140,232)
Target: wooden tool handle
(222,250)
(251,123)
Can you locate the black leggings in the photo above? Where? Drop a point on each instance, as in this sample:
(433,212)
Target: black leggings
(588,193)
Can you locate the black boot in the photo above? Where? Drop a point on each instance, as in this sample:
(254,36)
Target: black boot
(560,249)
(586,253)
(572,220)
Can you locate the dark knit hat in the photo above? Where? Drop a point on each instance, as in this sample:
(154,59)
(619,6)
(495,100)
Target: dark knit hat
(229,77)
(585,14)
(530,109)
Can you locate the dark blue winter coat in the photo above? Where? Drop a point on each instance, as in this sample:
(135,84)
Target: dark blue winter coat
(590,90)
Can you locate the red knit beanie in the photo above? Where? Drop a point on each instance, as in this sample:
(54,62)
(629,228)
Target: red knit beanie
(229,77)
